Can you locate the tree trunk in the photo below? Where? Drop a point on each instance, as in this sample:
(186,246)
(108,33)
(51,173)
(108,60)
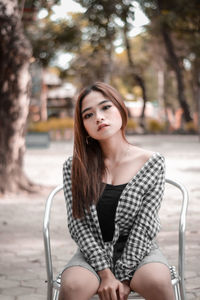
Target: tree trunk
(109,55)
(162,95)
(178,71)
(15,52)
(109,64)
(138,79)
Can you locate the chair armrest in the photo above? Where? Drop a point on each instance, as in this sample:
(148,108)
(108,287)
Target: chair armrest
(182,227)
(46,236)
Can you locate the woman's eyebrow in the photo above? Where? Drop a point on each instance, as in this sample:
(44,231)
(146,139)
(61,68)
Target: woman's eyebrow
(88,108)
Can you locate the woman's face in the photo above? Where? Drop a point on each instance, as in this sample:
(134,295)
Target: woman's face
(101,118)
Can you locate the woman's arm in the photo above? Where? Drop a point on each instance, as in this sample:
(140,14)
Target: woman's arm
(79,229)
(145,228)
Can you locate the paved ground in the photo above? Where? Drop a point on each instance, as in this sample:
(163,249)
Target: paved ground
(22,265)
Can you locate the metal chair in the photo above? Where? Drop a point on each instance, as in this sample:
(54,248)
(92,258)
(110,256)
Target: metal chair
(177,277)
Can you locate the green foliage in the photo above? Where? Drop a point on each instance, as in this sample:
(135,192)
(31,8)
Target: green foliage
(48,37)
(91,36)
(179,16)
(39,3)
(190,127)
(154,126)
(51,124)
(177,22)
(131,124)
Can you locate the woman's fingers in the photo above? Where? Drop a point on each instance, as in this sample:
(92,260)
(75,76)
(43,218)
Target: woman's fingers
(101,295)
(126,290)
(112,289)
(109,292)
(113,294)
(121,294)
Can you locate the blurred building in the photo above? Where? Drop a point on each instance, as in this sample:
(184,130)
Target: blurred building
(152,109)
(50,97)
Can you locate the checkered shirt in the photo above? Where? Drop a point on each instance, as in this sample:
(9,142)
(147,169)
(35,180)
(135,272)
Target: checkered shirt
(136,217)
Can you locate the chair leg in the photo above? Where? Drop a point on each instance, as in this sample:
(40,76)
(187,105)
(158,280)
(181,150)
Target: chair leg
(49,292)
(56,294)
(182,291)
(177,291)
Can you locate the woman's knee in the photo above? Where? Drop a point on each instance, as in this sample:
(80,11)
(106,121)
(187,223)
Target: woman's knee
(75,280)
(152,278)
(70,284)
(160,283)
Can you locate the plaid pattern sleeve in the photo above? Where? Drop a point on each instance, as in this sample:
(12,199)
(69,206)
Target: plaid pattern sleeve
(146,224)
(80,230)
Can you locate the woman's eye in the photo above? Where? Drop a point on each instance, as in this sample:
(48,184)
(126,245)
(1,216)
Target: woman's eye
(87,116)
(105,107)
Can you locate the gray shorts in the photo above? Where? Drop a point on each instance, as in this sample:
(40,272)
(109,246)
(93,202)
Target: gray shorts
(155,256)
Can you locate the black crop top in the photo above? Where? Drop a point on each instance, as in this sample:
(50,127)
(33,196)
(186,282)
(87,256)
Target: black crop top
(106,209)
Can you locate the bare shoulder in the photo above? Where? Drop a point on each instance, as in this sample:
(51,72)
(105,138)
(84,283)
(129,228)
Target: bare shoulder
(137,153)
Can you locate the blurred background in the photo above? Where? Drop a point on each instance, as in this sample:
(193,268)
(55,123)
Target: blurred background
(149,50)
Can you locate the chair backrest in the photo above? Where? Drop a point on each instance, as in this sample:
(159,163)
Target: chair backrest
(182,226)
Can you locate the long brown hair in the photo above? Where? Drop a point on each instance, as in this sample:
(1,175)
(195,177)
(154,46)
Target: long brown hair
(88,165)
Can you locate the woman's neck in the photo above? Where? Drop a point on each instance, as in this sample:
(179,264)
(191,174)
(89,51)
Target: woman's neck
(114,148)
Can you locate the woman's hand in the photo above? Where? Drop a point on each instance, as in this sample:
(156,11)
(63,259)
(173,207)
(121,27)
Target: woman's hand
(110,288)
(127,289)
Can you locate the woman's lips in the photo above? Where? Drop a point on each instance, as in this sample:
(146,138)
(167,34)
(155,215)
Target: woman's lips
(102,126)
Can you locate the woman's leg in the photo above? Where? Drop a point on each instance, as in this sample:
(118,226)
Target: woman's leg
(78,283)
(153,282)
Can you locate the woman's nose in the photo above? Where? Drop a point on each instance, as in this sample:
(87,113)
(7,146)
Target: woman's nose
(99,117)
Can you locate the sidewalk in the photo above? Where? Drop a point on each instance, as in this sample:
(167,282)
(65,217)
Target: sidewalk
(22,265)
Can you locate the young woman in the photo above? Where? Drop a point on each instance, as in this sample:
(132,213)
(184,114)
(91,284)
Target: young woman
(113,192)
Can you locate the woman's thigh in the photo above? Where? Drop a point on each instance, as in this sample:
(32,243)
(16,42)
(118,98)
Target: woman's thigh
(153,281)
(74,280)
(78,260)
